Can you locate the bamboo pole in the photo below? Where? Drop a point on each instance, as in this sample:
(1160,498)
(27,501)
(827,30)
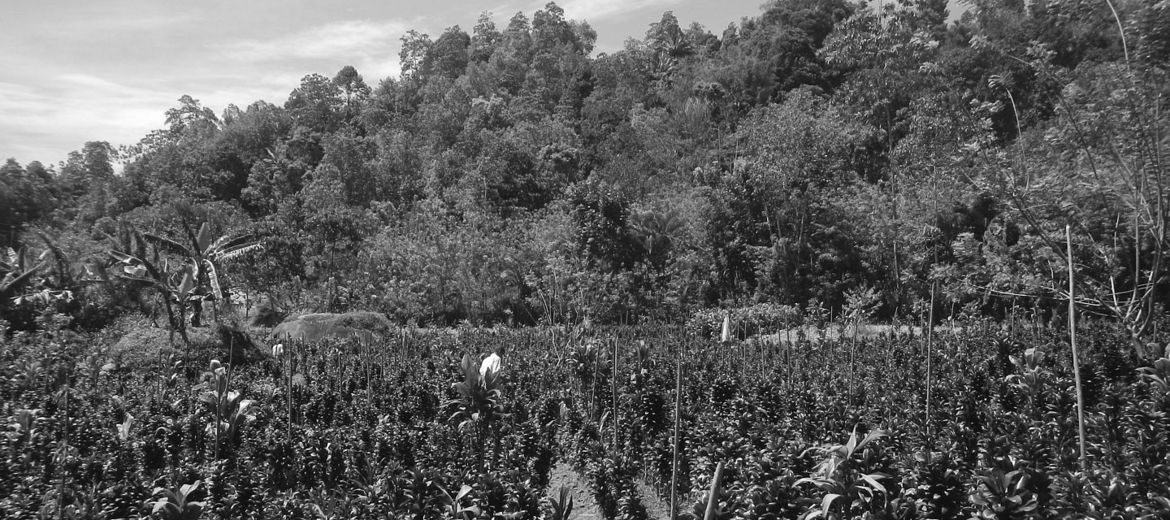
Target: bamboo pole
(713,499)
(614,386)
(677,420)
(1072,337)
(929,356)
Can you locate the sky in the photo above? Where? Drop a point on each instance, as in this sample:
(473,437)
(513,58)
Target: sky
(73,71)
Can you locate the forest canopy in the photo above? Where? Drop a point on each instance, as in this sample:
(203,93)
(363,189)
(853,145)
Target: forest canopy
(820,155)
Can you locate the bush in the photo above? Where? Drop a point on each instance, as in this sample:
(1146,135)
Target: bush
(745,321)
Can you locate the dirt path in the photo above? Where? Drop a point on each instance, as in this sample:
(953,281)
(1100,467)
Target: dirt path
(656,508)
(584,505)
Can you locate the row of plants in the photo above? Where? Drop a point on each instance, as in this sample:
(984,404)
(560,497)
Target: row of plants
(842,428)
(409,426)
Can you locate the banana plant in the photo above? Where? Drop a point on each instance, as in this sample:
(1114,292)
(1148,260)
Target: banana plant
(17,269)
(206,254)
(141,263)
(60,283)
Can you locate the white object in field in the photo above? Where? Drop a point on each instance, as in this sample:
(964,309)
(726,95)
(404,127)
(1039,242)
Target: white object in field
(278,349)
(725,336)
(490,363)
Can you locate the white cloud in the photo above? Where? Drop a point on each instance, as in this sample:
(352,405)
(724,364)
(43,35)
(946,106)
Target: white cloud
(350,38)
(46,122)
(85,25)
(595,10)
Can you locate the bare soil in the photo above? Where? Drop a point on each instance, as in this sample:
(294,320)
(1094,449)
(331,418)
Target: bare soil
(584,505)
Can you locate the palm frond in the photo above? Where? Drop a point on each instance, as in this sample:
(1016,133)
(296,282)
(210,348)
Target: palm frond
(64,277)
(167,244)
(9,286)
(203,240)
(239,251)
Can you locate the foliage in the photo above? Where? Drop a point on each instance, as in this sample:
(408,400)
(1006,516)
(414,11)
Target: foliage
(814,149)
(376,428)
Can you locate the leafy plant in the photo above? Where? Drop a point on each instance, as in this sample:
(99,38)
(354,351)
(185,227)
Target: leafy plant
(205,255)
(230,411)
(560,507)
(848,487)
(454,506)
(17,268)
(143,264)
(179,505)
(1004,495)
(479,403)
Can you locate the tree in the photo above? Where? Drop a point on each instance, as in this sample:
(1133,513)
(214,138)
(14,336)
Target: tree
(1101,169)
(316,104)
(484,39)
(448,57)
(190,117)
(27,196)
(786,238)
(412,58)
(669,45)
(353,88)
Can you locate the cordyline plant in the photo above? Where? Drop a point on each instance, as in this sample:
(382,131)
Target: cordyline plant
(479,405)
(178,505)
(454,507)
(1004,494)
(230,411)
(842,477)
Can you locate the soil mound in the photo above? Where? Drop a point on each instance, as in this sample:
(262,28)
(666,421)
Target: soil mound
(316,327)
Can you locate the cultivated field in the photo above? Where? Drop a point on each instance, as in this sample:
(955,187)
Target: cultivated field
(406,428)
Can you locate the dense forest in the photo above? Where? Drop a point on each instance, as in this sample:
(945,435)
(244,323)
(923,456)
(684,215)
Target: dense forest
(822,156)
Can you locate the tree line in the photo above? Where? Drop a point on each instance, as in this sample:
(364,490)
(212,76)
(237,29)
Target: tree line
(819,152)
